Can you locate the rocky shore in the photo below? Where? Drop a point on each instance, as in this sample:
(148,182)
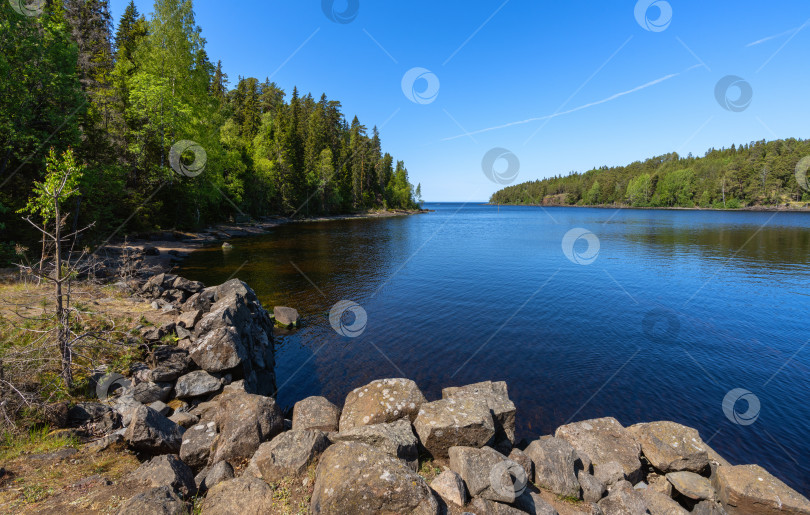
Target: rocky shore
(199,414)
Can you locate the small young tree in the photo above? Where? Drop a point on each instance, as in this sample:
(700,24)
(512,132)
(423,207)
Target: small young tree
(46,203)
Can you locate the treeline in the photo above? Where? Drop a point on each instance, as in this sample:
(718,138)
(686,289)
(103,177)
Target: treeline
(757,174)
(121,99)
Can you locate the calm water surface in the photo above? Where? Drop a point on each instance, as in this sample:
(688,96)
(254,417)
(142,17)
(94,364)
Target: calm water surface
(677,309)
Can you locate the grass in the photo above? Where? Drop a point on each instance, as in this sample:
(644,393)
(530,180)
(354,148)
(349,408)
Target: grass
(428,470)
(37,441)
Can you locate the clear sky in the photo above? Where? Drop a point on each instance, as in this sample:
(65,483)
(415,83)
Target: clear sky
(562,85)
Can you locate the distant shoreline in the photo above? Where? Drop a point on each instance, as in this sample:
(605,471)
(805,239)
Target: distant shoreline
(763,209)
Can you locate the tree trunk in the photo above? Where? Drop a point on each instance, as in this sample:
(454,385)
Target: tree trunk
(61,328)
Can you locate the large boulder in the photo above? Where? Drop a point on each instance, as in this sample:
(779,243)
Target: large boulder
(237,335)
(605,440)
(316,413)
(245,421)
(288,454)
(383,400)
(554,466)
(488,473)
(245,495)
(168,363)
(671,447)
(691,485)
(450,487)
(481,506)
(126,405)
(160,500)
(660,504)
(624,500)
(149,392)
(356,478)
(531,502)
(496,396)
(454,422)
(167,470)
(197,442)
(395,438)
(750,489)
(153,433)
(196,384)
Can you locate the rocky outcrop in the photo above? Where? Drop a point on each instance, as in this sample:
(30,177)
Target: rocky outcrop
(384,400)
(245,421)
(671,447)
(605,440)
(167,470)
(288,454)
(356,478)
(750,489)
(153,433)
(451,422)
(159,501)
(554,466)
(496,396)
(316,413)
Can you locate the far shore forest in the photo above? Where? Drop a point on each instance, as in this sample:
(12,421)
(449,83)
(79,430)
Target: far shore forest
(758,174)
(119,96)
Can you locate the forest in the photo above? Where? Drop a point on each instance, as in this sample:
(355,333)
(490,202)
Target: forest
(124,97)
(756,174)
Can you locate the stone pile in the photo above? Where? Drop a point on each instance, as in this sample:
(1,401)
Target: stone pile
(203,415)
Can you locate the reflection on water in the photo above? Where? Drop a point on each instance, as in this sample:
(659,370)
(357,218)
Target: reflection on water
(492,288)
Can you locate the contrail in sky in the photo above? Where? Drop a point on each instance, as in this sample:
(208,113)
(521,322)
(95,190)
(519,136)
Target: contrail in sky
(580,108)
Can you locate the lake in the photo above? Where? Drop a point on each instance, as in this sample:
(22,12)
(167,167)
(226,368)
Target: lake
(694,316)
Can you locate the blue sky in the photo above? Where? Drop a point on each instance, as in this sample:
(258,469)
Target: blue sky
(589,83)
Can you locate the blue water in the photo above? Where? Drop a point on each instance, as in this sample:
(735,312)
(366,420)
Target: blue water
(676,309)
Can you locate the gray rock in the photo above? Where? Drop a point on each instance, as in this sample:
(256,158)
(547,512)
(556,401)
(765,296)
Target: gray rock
(523,459)
(691,485)
(288,454)
(671,447)
(483,506)
(197,443)
(605,440)
(531,502)
(104,443)
(155,501)
(168,363)
(454,422)
(245,495)
(285,316)
(496,396)
(623,501)
(245,421)
(488,473)
(554,470)
(592,488)
(183,284)
(316,413)
(383,400)
(658,483)
(161,408)
(166,470)
(750,489)
(220,472)
(87,412)
(218,350)
(189,318)
(126,405)
(660,504)
(356,478)
(153,433)
(149,392)
(450,487)
(609,473)
(708,508)
(395,438)
(197,384)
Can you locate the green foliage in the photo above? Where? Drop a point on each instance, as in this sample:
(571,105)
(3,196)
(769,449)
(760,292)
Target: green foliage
(759,173)
(61,182)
